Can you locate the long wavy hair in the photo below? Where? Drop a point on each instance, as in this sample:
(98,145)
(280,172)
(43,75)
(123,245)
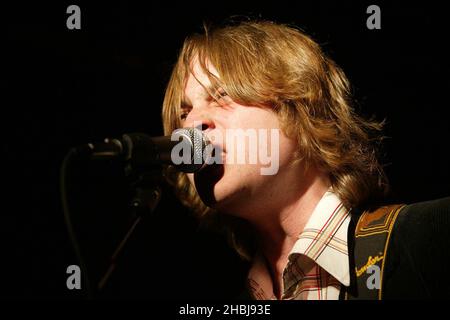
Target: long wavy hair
(266,64)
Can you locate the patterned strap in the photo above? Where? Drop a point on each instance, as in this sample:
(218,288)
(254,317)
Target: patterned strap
(372,235)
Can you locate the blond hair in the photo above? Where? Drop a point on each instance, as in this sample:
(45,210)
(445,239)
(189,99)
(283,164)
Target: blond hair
(278,66)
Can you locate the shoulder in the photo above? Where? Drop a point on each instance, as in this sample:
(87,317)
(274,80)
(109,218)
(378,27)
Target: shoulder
(423,223)
(417,255)
(435,212)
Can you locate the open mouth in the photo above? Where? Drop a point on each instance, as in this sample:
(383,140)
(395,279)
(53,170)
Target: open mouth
(215,155)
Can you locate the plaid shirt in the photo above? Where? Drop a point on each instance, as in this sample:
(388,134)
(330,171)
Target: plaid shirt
(318,263)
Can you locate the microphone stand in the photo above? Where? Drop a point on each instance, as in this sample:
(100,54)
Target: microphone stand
(143,155)
(146,199)
(146,184)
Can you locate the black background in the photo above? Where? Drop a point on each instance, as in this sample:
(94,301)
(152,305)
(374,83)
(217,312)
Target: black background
(68,87)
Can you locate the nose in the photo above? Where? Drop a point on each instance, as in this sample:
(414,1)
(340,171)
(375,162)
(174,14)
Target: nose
(200,120)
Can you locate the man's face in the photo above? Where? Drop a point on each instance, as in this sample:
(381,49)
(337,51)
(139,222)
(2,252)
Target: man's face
(246,174)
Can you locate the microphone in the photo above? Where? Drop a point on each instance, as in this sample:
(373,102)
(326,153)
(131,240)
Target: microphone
(184,149)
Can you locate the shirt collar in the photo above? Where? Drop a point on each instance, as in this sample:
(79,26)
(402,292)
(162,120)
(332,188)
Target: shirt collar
(323,240)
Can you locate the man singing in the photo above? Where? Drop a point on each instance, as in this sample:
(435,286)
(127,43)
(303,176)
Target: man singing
(303,202)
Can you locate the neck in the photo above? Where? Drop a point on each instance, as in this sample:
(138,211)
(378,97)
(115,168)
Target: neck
(279,227)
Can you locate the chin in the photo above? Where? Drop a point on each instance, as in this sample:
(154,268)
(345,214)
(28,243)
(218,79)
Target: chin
(230,196)
(214,187)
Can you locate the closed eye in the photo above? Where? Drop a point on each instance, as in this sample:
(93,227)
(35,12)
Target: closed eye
(220,97)
(220,93)
(185,112)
